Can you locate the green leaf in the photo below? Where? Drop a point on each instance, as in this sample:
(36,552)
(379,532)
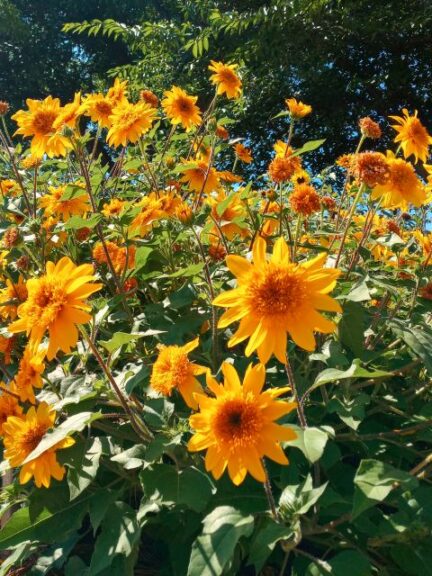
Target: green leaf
(83,463)
(120,534)
(72,191)
(419,341)
(348,562)
(351,327)
(47,527)
(188,272)
(213,549)
(354,371)
(76,222)
(118,340)
(265,540)
(308,147)
(141,257)
(188,487)
(359,293)
(74,423)
(131,458)
(311,441)
(374,480)
(298,499)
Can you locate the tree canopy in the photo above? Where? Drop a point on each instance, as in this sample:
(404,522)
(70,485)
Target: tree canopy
(347,58)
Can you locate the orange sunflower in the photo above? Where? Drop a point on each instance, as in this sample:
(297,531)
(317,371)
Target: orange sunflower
(22,434)
(225,78)
(9,406)
(129,122)
(297,109)
(56,303)
(243,153)
(402,186)
(278,297)
(181,108)
(173,369)
(237,427)
(38,122)
(53,204)
(29,374)
(412,135)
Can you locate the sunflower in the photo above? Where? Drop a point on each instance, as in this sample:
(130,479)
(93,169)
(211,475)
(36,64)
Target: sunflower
(10,297)
(226,79)
(22,434)
(118,92)
(173,369)
(38,122)
(29,375)
(56,303)
(283,168)
(283,149)
(201,177)
(99,108)
(120,256)
(7,346)
(233,211)
(53,204)
(9,188)
(150,211)
(277,297)
(297,109)
(237,427)
(69,114)
(181,108)
(113,208)
(412,135)
(305,200)
(9,406)
(243,153)
(129,122)
(402,186)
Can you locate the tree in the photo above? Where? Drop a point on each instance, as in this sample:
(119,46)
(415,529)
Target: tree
(347,58)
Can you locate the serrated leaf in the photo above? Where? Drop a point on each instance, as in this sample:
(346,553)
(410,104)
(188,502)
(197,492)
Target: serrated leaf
(311,441)
(83,463)
(76,222)
(212,550)
(354,371)
(374,481)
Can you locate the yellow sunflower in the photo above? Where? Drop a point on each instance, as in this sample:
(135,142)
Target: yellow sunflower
(226,79)
(29,375)
(56,303)
(99,108)
(38,122)
(402,186)
(53,204)
(278,297)
(297,109)
(201,177)
(412,135)
(9,406)
(173,369)
(181,108)
(69,114)
(22,434)
(243,153)
(129,122)
(237,427)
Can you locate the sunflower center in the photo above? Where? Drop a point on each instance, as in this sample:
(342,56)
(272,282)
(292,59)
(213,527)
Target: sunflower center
(172,371)
(184,106)
(227,76)
(46,301)
(277,290)
(402,176)
(416,131)
(43,121)
(104,108)
(32,438)
(238,422)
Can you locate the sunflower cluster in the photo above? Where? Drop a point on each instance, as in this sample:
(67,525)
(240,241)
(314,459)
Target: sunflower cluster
(183,303)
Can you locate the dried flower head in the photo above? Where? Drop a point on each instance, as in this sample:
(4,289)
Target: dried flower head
(369,128)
